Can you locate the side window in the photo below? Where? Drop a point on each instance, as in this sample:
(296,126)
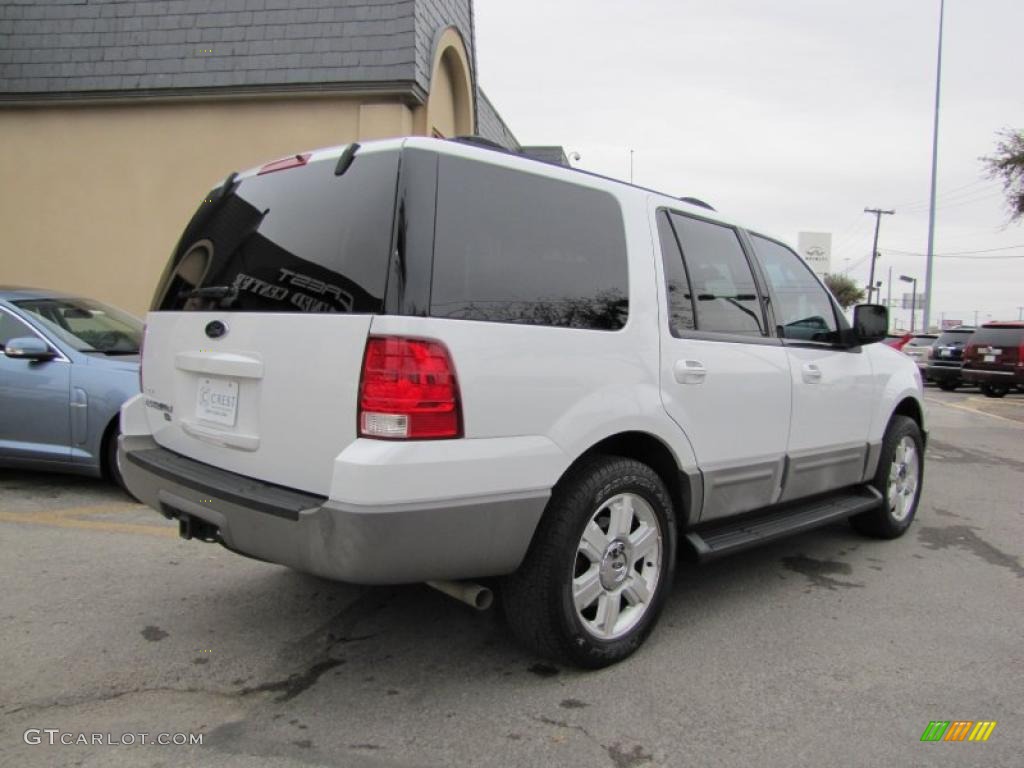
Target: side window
(802,307)
(677,285)
(12,328)
(720,277)
(513,247)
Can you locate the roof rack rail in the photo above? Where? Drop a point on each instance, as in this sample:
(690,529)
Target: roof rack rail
(697,201)
(480,141)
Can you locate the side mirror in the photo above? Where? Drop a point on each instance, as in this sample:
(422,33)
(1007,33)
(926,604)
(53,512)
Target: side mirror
(29,348)
(870,323)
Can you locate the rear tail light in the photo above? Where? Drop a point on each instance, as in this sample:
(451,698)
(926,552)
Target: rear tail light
(408,390)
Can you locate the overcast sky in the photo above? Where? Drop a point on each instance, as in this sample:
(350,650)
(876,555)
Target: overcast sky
(790,116)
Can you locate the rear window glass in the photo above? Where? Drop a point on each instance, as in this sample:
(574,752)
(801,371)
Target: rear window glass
(514,247)
(295,240)
(954,338)
(1008,337)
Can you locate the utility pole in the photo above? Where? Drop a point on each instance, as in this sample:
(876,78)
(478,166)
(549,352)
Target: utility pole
(631,166)
(874,248)
(888,296)
(1020,313)
(913,298)
(930,258)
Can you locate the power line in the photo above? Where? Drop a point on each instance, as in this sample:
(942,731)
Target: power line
(959,255)
(954,204)
(987,250)
(945,193)
(952,197)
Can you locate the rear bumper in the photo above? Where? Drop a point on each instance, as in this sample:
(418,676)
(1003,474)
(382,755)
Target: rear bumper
(942,373)
(362,544)
(1012,378)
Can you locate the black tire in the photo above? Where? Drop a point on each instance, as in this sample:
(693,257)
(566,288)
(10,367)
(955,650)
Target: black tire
(113,472)
(884,522)
(996,390)
(948,386)
(538,598)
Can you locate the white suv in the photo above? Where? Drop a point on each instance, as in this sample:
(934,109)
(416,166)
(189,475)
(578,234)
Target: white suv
(422,360)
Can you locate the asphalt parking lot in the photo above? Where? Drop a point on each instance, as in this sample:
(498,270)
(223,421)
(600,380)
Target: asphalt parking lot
(824,649)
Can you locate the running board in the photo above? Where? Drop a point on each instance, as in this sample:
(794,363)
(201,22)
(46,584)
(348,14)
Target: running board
(736,535)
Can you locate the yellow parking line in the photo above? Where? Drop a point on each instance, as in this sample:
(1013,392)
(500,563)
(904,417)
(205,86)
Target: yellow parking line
(60,520)
(974,410)
(96,509)
(1002,401)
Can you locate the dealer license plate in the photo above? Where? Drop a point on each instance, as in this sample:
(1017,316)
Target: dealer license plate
(217,400)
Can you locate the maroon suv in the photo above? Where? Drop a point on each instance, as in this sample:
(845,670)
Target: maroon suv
(994,358)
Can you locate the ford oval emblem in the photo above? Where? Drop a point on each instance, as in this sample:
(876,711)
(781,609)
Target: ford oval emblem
(215,329)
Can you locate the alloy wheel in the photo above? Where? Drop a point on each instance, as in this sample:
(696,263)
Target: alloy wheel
(617,566)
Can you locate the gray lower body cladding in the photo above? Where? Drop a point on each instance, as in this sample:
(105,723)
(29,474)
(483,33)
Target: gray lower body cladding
(455,539)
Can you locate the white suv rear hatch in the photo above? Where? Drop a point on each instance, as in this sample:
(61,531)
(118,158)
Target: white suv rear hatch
(271,265)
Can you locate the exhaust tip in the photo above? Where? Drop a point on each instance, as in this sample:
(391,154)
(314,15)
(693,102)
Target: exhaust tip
(474,595)
(484,599)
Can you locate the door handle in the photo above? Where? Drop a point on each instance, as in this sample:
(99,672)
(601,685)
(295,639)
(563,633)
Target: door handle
(812,373)
(689,371)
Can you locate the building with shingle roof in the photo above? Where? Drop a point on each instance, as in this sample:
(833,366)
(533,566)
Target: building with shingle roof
(116,115)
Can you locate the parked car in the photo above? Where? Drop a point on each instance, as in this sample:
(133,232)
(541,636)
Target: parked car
(419,360)
(919,348)
(947,358)
(994,358)
(68,365)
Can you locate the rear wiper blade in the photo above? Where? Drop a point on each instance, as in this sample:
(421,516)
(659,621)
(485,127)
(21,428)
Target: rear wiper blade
(210,292)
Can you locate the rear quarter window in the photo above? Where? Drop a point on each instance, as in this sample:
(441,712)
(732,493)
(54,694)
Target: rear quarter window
(515,247)
(995,337)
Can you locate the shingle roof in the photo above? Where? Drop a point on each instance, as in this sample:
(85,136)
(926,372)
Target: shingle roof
(490,125)
(547,154)
(59,48)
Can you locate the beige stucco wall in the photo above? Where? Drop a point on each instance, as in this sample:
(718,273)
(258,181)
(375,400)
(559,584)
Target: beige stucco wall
(93,198)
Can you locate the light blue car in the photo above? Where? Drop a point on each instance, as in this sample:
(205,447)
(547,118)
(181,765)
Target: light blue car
(68,364)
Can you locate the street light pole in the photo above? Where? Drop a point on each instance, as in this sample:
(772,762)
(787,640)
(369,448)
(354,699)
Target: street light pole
(874,248)
(930,259)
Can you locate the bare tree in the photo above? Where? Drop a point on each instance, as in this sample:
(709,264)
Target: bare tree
(1007,166)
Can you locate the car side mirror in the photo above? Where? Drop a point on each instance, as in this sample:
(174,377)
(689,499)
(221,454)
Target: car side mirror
(29,348)
(870,323)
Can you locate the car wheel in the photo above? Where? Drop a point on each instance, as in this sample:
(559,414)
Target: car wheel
(947,386)
(110,461)
(898,478)
(600,566)
(996,390)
